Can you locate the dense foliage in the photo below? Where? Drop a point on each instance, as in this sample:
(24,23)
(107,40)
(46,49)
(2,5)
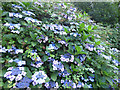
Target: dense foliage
(52,45)
(104,12)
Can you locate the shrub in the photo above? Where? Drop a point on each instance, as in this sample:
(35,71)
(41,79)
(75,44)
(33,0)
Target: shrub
(104,12)
(52,45)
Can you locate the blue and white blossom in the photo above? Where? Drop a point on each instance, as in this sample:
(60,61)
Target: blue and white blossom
(15,14)
(58,65)
(51,84)
(17,6)
(15,31)
(15,73)
(52,47)
(39,78)
(12,26)
(67,57)
(24,83)
(28,13)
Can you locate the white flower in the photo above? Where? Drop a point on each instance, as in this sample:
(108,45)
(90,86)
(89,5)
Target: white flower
(12,77)
(7,24)
(7,74)
(91,70)
(23,73)
(17,26)
(15,31)
(47,84)
(11,14)
(20,63)
(21,68)
(40,81)
(74,85)
(11,61)
(10,68)
(34,83)
(19,77)
(56,85)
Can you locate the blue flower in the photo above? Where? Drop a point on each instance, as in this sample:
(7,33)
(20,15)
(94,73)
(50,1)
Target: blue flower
(64,73)
(16,71)
(89,47)
(52,47)
(91,79)
(90,86)
(22,85)
(115,62)
(82,57)
(47,53)
(28,13)
(57,65)
(67,57)
(17,6)
(69,84)
(39,77)
(51,84)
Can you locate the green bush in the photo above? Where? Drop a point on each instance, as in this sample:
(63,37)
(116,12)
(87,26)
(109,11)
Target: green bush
(104,12)
(52,45)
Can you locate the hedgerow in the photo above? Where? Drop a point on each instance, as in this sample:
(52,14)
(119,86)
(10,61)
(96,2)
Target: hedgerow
(52,45)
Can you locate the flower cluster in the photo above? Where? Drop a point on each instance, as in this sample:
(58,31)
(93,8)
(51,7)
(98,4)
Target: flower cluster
(12,26)
(15,15)
(28,13)
(63,42)
(67,57)
(52,47)
(90,47)
(17,6)
(39,78)
(15,73)
(64,73)
(68,83)
(32,20)
(24,83)
(58,65)
(12,50)
(51,84)
(43,62)
(19,62)
(41,39)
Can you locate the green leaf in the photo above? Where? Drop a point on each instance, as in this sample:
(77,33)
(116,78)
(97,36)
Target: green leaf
(20,41)
(54,76)
(95,27)
(33,43)
(32,35)
(85,86)
(45,58)
(82,25)
(89,27)
(51,55)
(109,80)
(79,48)
(29,74)
(65,29)
(47,79)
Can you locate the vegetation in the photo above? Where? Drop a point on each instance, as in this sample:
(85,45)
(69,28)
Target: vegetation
(53,45)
